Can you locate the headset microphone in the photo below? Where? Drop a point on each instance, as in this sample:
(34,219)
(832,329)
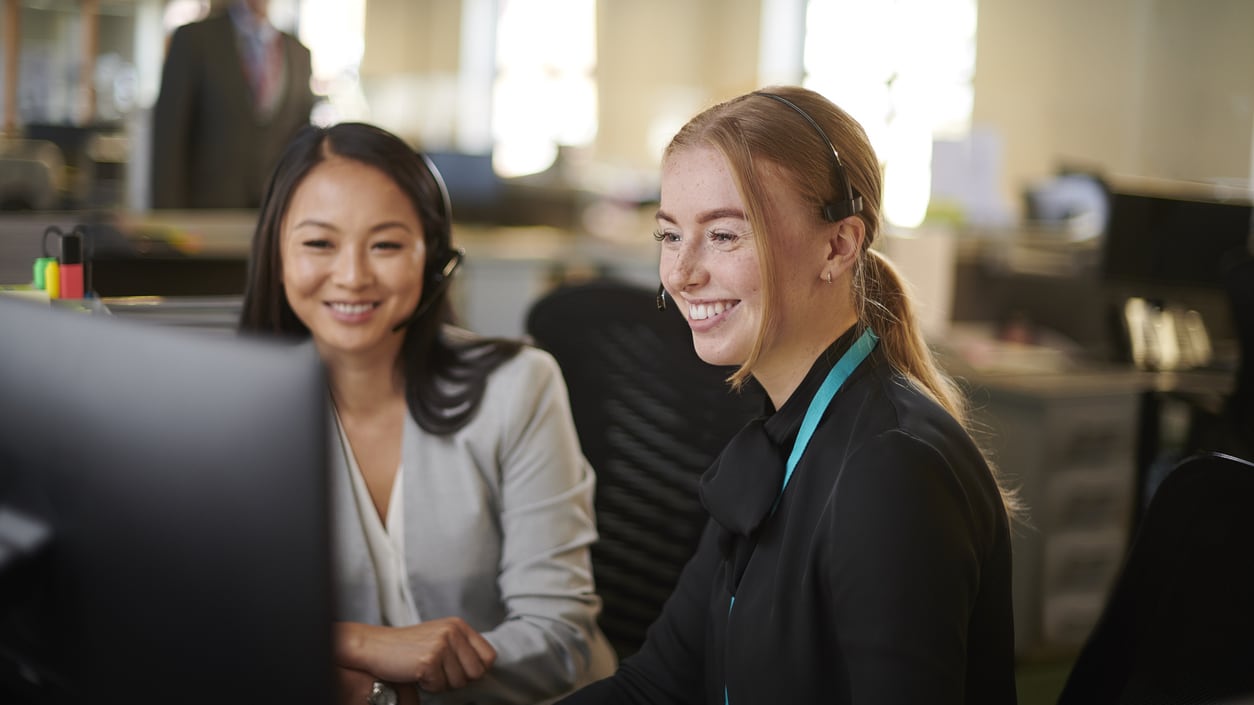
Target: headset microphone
(440,282)
(661,297)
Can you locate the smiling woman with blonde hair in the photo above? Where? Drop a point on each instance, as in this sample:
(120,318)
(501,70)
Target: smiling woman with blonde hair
(858,549)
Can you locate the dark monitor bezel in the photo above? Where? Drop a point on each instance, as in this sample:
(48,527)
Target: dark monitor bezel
(1156,243)
(182,477)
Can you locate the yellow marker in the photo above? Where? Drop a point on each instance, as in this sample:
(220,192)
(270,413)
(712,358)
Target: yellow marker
(41,264)
(52,280)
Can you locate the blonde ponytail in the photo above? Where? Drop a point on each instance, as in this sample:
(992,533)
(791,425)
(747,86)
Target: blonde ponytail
(886,308)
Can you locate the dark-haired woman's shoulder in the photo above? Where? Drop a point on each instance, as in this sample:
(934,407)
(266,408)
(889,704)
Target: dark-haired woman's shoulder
(531,375)
(523,385)
(539,487)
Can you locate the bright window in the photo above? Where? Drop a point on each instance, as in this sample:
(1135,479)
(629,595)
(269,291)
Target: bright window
(545,93)
(335,32)
(904,69)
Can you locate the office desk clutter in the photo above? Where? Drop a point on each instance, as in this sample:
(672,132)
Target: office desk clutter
(68,281)
(1161,252)
(59,272)
(1013,347)
(120,259)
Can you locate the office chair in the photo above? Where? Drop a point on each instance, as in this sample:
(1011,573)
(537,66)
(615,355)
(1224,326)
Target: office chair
(651,418)
(1238,279)
(1179,624)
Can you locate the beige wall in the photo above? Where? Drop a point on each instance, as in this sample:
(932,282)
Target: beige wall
(417,36)
(410,68)
(1156,88)
(661,61)
(1148,88)
(1199,117)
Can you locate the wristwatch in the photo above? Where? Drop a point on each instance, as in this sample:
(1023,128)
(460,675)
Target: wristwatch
(381,694)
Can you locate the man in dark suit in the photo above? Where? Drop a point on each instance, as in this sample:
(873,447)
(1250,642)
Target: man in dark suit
(233,92)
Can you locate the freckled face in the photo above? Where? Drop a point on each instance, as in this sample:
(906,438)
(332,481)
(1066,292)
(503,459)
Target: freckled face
(709,259)
(352,253)
(710,264)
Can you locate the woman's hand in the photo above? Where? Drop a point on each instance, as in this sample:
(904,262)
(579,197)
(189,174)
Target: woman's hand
(438,655)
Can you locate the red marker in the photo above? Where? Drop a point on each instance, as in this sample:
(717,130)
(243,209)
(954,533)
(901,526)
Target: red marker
(71,266)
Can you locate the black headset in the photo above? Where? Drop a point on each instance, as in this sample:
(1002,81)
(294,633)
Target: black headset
(833,211)
(445,260)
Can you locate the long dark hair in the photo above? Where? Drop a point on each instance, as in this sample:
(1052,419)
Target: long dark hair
(444,377)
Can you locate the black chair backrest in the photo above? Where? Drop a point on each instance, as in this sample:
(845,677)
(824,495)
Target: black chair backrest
(1239,410)
(651,418)
(1179,624)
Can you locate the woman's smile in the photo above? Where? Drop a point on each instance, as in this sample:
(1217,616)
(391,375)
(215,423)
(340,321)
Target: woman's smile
(349,312)
(706,315)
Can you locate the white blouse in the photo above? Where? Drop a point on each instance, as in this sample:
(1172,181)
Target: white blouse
(385,543)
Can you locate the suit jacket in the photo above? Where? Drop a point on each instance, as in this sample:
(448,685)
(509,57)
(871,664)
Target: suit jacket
(210,148)
(498,523)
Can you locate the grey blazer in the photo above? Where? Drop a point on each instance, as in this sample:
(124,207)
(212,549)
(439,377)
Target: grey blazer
(209,147)
(498,522)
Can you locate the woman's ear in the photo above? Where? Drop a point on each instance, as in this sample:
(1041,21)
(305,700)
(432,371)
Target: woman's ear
(845,244)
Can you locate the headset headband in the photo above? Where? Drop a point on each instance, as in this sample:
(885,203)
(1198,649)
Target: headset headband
(835,210)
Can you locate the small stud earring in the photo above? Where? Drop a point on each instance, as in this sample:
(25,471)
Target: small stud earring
(828,278)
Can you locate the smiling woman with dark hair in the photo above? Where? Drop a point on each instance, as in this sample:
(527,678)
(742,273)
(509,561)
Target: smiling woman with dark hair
(462,501)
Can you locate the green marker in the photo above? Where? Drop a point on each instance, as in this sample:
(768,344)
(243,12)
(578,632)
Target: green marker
(41,265)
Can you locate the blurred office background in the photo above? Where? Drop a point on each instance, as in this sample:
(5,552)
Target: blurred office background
(1146,88)
(1004,128)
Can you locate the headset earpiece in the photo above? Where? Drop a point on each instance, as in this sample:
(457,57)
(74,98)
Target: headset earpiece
(440,275)
(437,281)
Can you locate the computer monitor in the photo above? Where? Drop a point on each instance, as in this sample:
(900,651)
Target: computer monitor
(474,188)
(163,515)
(1153,242)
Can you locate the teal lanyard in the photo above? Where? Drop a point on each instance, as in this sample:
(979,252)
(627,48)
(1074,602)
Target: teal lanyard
(835,379)
(823,398)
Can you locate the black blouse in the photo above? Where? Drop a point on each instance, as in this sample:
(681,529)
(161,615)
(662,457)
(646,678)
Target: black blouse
(883,576)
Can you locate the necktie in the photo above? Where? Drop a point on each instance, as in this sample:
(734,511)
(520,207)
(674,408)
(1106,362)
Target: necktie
(263,59)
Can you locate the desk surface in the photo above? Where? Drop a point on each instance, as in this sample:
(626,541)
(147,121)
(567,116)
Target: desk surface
(973,355)
(1105,381)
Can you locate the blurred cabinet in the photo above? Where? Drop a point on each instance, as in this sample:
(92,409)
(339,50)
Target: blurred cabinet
(79,61)
(77,75)
(1068,443)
